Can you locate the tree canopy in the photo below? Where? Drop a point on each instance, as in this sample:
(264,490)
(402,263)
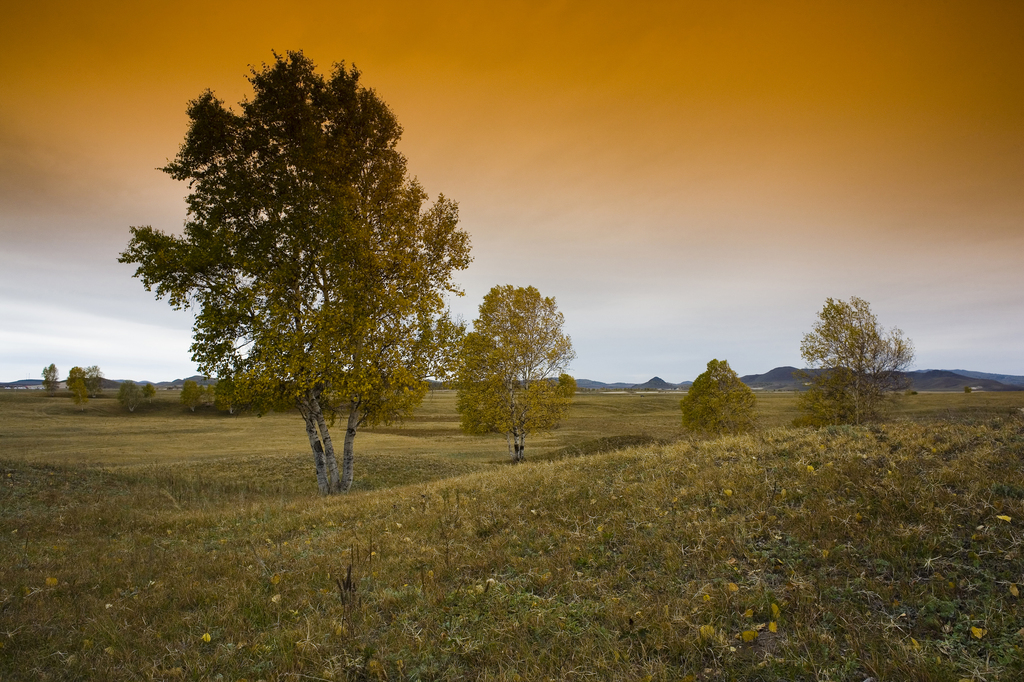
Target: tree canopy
(93,380)
(191,395)
(51,379)
(718,402)
(76,383)
(858,364)
(316,267)
(130,395)
(507,383)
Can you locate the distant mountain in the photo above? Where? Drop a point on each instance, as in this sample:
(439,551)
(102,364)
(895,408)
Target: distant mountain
(23,383)
(783,379)
(198,378)
(945,380)
(655,384)
(1011,379)
(778,379)
(588,383)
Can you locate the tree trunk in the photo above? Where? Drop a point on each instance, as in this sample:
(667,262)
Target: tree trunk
(330,459)
(518,446)
(322,482)
(348,457)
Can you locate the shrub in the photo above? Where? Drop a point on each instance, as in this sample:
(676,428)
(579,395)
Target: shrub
(192,395)
(718,402)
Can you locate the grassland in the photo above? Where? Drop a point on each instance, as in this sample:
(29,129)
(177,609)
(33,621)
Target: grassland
(171,545)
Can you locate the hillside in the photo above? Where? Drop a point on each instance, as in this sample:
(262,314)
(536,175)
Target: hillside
(1010,379)
(942,380)
(783,379)
(780,378)
(655,384)
(890,552)
(652,384)
(590,384)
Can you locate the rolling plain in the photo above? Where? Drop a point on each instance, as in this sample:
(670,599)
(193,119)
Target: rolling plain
(165,544)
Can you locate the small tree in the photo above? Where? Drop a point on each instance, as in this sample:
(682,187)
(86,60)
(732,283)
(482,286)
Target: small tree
(506,383)
(224,395)
(718,402)
(859,365)
(967,389)
(76,384)
(130,395)
(93,380)
(149,392)
(51,379)
(191,394)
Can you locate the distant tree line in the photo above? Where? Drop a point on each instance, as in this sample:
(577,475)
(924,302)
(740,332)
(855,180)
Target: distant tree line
(87,382)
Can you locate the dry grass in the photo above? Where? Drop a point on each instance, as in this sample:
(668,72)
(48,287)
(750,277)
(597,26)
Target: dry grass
(874,551)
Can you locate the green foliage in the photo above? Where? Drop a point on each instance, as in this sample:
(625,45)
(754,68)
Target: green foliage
(718,402)
(505,384)
(149,392)
(192,394)
(51,379)
(76,383)
(224,395)
(857,364)
(967,389)
(130,395)
(93,380)
(317,267)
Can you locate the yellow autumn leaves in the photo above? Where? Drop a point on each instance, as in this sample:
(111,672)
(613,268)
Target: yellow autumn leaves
(708,633)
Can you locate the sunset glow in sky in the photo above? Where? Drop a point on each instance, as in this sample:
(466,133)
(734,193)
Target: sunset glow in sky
(690,180)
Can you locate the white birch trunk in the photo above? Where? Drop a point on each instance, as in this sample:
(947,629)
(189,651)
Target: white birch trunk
(322,482)
(330,460)
(348,455)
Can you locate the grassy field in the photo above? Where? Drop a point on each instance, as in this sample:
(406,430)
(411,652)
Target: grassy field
(171,545)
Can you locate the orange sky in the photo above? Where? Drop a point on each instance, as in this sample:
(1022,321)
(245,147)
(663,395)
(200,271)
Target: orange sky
(690,180)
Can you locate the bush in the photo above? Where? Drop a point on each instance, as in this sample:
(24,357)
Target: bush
(192,394)
(130,394)
(718,402)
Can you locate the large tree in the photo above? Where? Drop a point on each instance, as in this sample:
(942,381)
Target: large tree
(857,364)
(317,269)
(718,402)
(507,381)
